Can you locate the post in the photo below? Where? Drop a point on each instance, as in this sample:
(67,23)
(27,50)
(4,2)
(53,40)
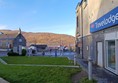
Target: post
(55,52)
(75,60)
(30,52)
(7,43)
(90,68)
(82,32)
(90,65)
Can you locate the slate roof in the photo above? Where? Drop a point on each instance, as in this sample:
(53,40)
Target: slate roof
(4,36)
(9,35)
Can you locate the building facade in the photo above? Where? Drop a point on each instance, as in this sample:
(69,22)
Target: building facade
(97,32)
(12,41)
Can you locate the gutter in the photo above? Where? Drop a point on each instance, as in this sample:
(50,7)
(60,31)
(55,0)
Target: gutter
(79,3)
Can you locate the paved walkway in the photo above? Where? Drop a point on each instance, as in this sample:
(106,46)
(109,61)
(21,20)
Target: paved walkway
(3,81)
(67,66)
(2,61)
(100,74)
(52,54)
(3,53)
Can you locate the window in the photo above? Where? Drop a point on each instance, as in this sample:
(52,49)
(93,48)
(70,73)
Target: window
(20,40)
(111,54)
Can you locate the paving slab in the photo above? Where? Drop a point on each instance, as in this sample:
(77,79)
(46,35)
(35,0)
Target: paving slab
(100,74)
(3,81)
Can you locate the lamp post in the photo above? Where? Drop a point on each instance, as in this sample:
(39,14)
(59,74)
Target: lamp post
(7,43)
(61,47)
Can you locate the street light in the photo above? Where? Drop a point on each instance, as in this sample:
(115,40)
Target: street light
(7,43)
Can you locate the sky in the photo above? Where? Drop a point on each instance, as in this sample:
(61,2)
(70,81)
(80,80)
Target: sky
(55,16)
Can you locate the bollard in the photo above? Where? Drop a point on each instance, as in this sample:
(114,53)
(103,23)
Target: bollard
(55,52)
(75,59)
(90,68)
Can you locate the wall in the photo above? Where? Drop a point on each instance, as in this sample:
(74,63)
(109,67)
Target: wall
(4,43)
(97,8)
(91,12)
(95,12)
(16,42)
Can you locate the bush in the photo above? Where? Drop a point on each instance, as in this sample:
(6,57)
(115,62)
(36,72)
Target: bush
(86,80)
(11,53)
(33,51)
(24,52)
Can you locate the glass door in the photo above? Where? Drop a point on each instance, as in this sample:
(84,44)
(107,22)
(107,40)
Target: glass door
(111,57)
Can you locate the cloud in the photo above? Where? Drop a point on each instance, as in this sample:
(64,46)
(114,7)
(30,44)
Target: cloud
(3,27)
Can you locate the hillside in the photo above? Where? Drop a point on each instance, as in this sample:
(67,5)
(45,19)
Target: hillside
(50,39)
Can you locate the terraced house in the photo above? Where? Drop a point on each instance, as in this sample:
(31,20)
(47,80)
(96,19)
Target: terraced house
(97,32)
(15,41)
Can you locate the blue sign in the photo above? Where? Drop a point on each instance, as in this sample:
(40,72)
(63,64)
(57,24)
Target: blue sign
(106,21)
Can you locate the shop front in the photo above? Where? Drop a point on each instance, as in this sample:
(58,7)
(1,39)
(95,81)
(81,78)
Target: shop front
(109,54)
(111,51)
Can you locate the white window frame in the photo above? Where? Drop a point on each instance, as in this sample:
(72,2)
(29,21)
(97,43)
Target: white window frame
(108,37)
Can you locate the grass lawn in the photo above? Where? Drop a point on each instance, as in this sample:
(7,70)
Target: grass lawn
(28,74)
(37,60)
(25,74)
(36,74)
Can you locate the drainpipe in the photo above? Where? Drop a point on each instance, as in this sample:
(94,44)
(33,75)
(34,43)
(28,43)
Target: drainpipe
(82,28)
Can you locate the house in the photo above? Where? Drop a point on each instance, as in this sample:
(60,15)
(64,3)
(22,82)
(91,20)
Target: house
(39,47)
(97,32)
(12,41)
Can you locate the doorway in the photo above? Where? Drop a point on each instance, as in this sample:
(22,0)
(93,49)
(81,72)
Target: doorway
(99,54)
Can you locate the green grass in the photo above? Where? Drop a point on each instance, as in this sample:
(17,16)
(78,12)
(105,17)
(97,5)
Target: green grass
(36,74)
(37,60)
(28,74)
(86,80)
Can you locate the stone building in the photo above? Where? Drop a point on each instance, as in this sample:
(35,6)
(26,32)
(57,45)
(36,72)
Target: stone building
(12,41)
(97,32)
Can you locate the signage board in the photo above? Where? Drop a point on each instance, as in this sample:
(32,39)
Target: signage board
(106,21)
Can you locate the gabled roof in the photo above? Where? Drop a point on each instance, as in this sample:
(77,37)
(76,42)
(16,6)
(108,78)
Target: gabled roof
(9,36)
(4,36)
